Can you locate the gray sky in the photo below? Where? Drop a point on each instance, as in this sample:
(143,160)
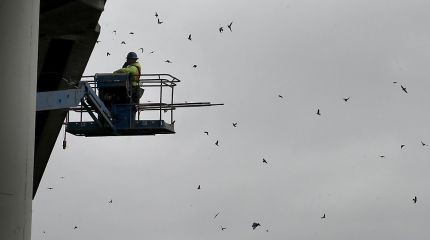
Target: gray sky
(312,52)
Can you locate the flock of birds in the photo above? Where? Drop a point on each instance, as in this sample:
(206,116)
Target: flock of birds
(190,38)
(318,112)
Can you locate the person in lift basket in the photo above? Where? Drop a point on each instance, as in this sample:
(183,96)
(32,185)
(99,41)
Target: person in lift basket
(132,66)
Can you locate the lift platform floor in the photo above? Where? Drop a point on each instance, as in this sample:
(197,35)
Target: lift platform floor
(139,127)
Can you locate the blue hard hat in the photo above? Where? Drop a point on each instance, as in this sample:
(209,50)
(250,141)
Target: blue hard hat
(132,55)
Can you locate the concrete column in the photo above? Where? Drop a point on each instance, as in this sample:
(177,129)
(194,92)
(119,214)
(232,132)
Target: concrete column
(19,26)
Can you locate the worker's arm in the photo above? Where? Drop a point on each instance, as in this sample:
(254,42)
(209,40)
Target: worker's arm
(132,70)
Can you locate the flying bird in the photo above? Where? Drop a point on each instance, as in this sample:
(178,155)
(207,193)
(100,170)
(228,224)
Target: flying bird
(221,29)
(280,96)
(264,161)
(423,144)
(346,99)
(107,54)
(131,33)
(318,112)
(110,201)
(323,216)
(141,49)
(229,26)
(76,227)
(216,215)
(414,199)
(156,14)
(235,124)
(394,82)
(50,188)
(114,31)
(223,228)
(404,89)
(168,61)
(122,42)
(216,143)
(207,133)
(189,37)
(194,66)
(255,225)
(402,146)
(158,21)
(198,187)
(381,156)
(152,52)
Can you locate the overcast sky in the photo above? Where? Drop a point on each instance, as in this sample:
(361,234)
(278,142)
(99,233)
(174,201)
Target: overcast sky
(313,53)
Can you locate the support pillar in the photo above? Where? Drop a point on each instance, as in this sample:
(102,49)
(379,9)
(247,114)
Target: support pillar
(19,26)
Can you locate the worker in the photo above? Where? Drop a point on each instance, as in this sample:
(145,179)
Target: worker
(132,66)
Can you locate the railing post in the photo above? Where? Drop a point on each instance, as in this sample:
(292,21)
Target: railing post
(161,93)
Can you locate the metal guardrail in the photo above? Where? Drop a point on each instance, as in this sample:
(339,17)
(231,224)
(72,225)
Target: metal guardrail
(161,81)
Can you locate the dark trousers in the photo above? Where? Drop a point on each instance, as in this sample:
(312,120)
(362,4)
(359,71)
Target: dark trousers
(136,94)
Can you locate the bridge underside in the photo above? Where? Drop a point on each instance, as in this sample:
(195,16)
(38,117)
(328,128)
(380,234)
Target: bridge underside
(68,31)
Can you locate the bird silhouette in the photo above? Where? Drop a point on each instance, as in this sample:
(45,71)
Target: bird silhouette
(131,33)
(194,66)
(223,228)
(50,188)
(158,21)
(168,61)
(346,99)
(107,54)
(414,199)
(402,146)
(221,29)
(323,216)
(189,37)
(216,215)
(404,89)
(264,161)
(280,96)
(235,124)
(318,112)
(110,201)
(382,156)
(156,14)
(423,144)
(394,82)
(122,42)
(216,143)
(76,227)
(151,52)
(207,133)
(141,49)
(198,187)
(255,225)
(114,31)
(229,26)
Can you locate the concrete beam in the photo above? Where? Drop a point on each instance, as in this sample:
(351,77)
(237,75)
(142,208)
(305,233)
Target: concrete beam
(68,33)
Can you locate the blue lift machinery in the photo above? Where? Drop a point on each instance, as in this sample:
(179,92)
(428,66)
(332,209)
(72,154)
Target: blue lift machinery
(108,99)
